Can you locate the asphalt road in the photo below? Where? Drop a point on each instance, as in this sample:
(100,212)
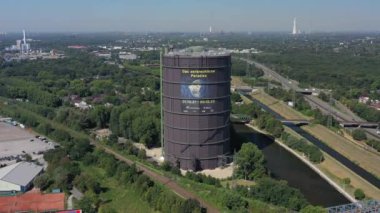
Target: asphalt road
(313,100)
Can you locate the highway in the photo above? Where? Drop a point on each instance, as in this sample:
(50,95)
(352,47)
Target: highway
(314,101)
(339,116)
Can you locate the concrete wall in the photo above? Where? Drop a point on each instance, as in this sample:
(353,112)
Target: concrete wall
(7,186)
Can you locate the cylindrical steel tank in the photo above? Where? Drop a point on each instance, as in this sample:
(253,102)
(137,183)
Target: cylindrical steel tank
(196,108)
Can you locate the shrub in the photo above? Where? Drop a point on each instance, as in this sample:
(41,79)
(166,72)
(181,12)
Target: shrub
(359,134)
(359,194)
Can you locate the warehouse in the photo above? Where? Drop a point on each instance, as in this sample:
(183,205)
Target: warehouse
(18,177)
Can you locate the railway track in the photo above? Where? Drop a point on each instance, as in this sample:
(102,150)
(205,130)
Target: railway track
(172,185)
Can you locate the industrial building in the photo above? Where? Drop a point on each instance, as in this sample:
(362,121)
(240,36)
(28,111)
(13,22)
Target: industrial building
(18,177)
(34,201)
(196,107)
(21,45)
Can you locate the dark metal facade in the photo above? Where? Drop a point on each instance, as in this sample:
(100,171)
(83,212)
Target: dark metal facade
(196,101)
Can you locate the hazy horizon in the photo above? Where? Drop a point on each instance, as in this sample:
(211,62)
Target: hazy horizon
(189,16)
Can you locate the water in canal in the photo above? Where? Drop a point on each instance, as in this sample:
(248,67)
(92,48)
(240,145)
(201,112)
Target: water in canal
(283,165)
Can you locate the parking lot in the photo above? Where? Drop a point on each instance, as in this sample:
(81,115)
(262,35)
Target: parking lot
(15,142)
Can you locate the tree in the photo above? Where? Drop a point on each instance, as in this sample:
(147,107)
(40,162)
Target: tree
(249,161)
(190,206)
(80,148)
(359,194)
(235,202)
(235,97)
(278,193)
(28,158)
(43,182)
(141,154)
(101,116)
(45,128)
(88,203)
(359,134)
(346,181)
(114,120)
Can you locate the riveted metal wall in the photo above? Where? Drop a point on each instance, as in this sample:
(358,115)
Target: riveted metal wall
(196,100)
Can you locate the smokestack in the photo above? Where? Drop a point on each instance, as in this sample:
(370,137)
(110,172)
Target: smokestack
(294,26)
(24,39)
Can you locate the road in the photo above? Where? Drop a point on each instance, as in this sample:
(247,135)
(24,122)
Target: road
(285,82)
(315,101)
(172,185)
(326,108)
(70,205)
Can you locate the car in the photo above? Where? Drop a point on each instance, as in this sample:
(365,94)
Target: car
(378,132)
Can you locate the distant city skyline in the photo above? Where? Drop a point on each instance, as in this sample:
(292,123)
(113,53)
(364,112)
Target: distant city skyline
(188,15)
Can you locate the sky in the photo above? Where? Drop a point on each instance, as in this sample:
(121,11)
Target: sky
(188,15)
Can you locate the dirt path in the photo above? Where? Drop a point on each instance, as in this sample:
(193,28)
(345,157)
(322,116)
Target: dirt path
(179,190)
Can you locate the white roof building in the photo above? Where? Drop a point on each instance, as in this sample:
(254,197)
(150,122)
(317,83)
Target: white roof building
(127,56)
(82,105)
(18,177)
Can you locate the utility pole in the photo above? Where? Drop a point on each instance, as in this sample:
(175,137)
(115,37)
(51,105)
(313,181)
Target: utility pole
(329,118)
(247,71)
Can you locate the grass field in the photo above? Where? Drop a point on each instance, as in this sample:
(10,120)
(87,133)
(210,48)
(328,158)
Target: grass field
(120,198)
(338,172)
(362,157)
(279,106)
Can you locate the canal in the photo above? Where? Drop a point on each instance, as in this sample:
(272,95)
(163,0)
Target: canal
(283,165)
(336,155)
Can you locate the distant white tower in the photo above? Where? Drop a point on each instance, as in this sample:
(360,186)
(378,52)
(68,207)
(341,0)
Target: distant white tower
(210,29)
(24,39)
(24,46)
(294,27)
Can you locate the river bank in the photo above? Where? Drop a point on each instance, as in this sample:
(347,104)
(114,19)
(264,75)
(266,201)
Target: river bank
(309,164)
(283,165)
